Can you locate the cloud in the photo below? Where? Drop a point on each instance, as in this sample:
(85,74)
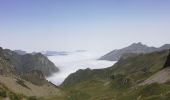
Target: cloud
(70,63)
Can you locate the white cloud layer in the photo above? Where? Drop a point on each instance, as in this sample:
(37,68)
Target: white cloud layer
(78,60)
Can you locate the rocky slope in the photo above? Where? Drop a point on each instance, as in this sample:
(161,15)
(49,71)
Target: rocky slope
(37,62)
(28,62)
(136,48)
(23,76)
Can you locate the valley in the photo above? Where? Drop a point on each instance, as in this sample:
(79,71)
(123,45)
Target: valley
(84,50)
(82,77)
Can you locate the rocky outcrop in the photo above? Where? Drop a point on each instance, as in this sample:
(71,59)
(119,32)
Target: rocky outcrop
(167,63)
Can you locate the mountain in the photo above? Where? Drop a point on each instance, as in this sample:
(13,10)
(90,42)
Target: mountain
(165,46)
(136,48)
(144,76)
(80,50)
(28,62)
(5,65)
(22,78)
(134,77)
(136,64)
(20,52)
(54,53)
(37,62)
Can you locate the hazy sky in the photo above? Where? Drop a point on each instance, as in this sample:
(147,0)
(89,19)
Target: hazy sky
(97,25)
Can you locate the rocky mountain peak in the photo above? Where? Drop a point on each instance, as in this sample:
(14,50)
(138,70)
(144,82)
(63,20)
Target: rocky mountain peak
(139,44)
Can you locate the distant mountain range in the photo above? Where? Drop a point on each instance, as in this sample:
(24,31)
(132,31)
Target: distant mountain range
(54,53)
(49,53)
(135,48)
(45,53)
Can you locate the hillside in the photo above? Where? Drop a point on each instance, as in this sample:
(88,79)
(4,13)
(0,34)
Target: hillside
(21,77)
(132,66)
(133,77)
(123,81)
(136,48)
(28,62)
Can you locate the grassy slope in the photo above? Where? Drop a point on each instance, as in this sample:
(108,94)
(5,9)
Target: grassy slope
(118,82)
(122,83)
(28,89)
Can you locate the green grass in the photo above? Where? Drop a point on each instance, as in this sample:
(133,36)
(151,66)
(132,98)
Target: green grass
(3,93)
(119,82)
(120,88)
(153,91)
(32,98)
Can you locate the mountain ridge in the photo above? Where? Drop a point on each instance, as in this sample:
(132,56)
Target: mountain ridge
(27,62)
(136,48)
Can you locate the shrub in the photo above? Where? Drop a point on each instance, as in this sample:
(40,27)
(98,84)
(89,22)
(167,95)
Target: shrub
(78,95)
(14,97)
(152,89)
(2,93)
(32,98)
(120,81)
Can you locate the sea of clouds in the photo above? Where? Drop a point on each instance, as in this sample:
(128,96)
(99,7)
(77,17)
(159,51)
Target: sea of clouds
(74,61)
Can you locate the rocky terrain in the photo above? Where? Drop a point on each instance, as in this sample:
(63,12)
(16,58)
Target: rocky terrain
(23,76)
(28,62)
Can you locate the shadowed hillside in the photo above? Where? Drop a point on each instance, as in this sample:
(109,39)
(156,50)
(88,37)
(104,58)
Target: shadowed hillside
(26,63)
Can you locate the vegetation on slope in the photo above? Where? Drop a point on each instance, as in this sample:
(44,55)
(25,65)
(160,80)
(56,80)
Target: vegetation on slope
(23,76)
(120,82)
(137,67)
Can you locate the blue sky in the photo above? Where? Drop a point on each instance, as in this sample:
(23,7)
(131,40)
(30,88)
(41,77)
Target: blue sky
(96,25)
